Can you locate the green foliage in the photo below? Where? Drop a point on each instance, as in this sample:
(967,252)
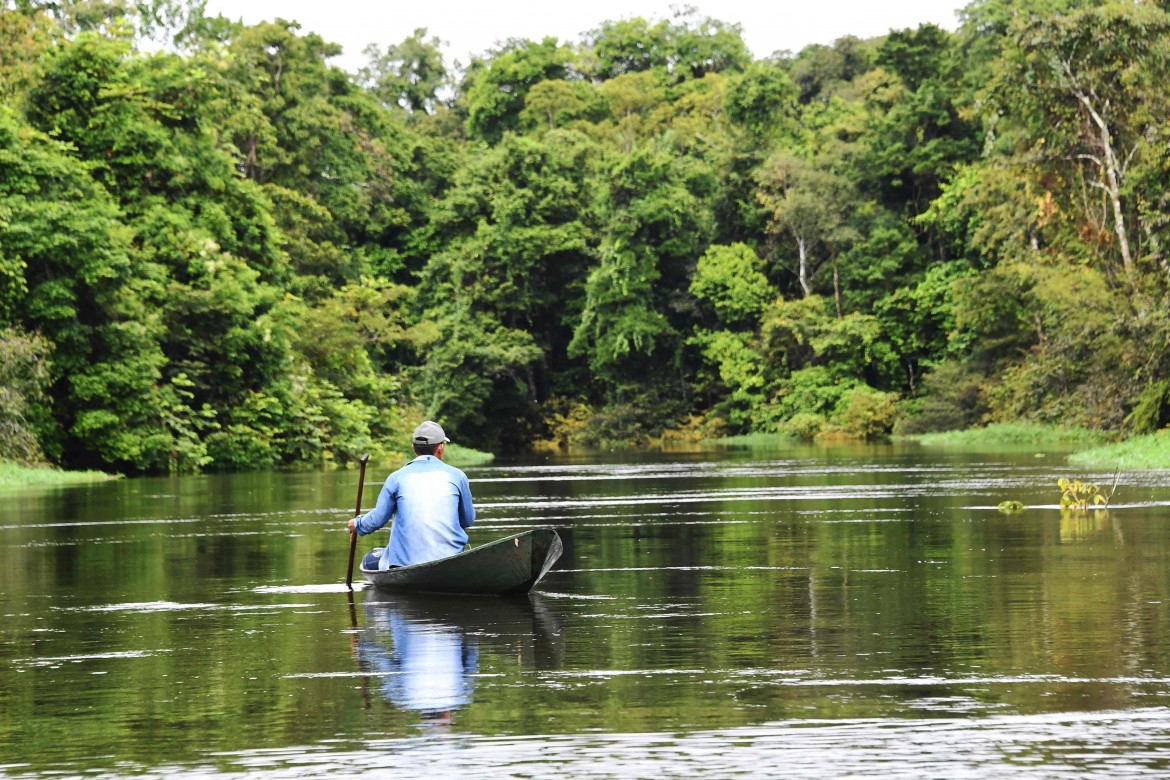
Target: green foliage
(866,413)
(806,206)
(73,278)
(635,419)
(762,100)
(805,426)
(731,279)
(755,441)
(478,379)
(1078,352)
(238,256)
(952,398)
(496,93)
(1151,451)
(1152,410)
(1075,494)
(24,381)
(408,74)
(1008,435)
(738,363)
(15,477)
(919,132)
(821,72)
(1086,88)
(24,37)
(462,457)
(685,47)
(653,225)
(812,390)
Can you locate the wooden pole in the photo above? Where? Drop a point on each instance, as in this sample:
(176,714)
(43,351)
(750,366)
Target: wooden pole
(357,511)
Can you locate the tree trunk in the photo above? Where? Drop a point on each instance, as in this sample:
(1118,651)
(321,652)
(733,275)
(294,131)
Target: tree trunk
(802,273)
(836,286)
(1111,168)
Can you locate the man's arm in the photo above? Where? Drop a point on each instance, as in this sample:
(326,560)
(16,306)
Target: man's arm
(382,512)
(466,508)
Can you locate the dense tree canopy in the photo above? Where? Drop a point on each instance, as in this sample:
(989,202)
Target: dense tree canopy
(231,254)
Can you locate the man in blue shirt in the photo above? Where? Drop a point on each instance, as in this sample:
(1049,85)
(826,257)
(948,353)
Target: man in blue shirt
(430,503)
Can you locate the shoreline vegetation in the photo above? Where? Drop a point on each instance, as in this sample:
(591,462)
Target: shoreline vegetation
(14,476)
(1087,448)
(1013,435)
(460,457)
(755,440)
(1151,451)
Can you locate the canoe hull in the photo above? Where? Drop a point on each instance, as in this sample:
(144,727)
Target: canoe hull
(506,567)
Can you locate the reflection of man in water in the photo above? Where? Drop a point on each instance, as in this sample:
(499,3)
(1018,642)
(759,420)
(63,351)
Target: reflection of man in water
(429,667)
(430,503)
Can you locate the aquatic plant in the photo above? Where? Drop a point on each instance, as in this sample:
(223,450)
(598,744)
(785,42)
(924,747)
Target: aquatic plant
(1075,494)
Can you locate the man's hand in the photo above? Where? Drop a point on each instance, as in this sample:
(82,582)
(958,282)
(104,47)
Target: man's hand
(352,521)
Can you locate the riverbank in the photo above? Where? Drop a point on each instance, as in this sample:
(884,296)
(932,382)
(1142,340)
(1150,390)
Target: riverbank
(1013,436)
(1089,448)
(461,457)
(14,476)
(1141,452)
(1000,436)
(755,441)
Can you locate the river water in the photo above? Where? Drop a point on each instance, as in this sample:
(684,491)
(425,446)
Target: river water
(813,612)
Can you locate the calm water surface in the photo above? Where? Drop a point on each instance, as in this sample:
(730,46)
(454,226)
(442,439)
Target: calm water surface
(805,613)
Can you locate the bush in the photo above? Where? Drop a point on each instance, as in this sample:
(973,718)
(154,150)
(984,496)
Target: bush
(1152,410)
(564,422)
(241,448)
(24,377)
(632,423)
(952,399)
(804,426)
(868,413)
(812,390)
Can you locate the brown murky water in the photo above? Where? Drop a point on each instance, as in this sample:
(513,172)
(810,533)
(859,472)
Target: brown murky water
(811,613)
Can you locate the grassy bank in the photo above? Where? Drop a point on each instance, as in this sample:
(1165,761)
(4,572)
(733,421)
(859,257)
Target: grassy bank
(1141,452)
(755,441)
(459,457)
(13,477)
(455,455)
(1012,436)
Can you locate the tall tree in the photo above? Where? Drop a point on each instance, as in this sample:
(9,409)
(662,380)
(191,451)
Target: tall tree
(809,205)
(1088,86)
(496,92)
(407,74)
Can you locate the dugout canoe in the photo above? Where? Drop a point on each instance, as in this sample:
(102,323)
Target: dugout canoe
(506,567)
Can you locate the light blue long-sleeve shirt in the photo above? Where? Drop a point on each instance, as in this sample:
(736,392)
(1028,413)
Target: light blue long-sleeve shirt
(431,506)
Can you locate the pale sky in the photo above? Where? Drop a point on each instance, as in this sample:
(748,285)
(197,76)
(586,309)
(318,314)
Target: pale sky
(473,26)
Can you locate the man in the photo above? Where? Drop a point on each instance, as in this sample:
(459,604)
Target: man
(430,503)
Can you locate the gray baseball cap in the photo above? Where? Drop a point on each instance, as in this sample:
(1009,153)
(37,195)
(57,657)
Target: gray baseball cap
(430,433)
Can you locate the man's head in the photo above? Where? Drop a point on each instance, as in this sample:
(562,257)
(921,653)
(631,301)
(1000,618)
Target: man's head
(429,439)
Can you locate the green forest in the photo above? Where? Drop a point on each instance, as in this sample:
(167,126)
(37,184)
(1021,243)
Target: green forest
(220,252)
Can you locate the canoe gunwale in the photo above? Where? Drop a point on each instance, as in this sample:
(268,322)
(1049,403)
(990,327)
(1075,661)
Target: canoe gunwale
(508,566)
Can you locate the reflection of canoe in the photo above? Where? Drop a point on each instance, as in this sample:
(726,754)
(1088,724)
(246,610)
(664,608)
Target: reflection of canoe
(527,628)
(505,567)
(426,651)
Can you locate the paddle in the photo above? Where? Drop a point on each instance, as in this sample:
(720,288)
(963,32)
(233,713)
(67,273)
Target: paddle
(357,511)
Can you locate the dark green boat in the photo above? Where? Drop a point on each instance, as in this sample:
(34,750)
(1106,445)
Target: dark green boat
(506,567)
